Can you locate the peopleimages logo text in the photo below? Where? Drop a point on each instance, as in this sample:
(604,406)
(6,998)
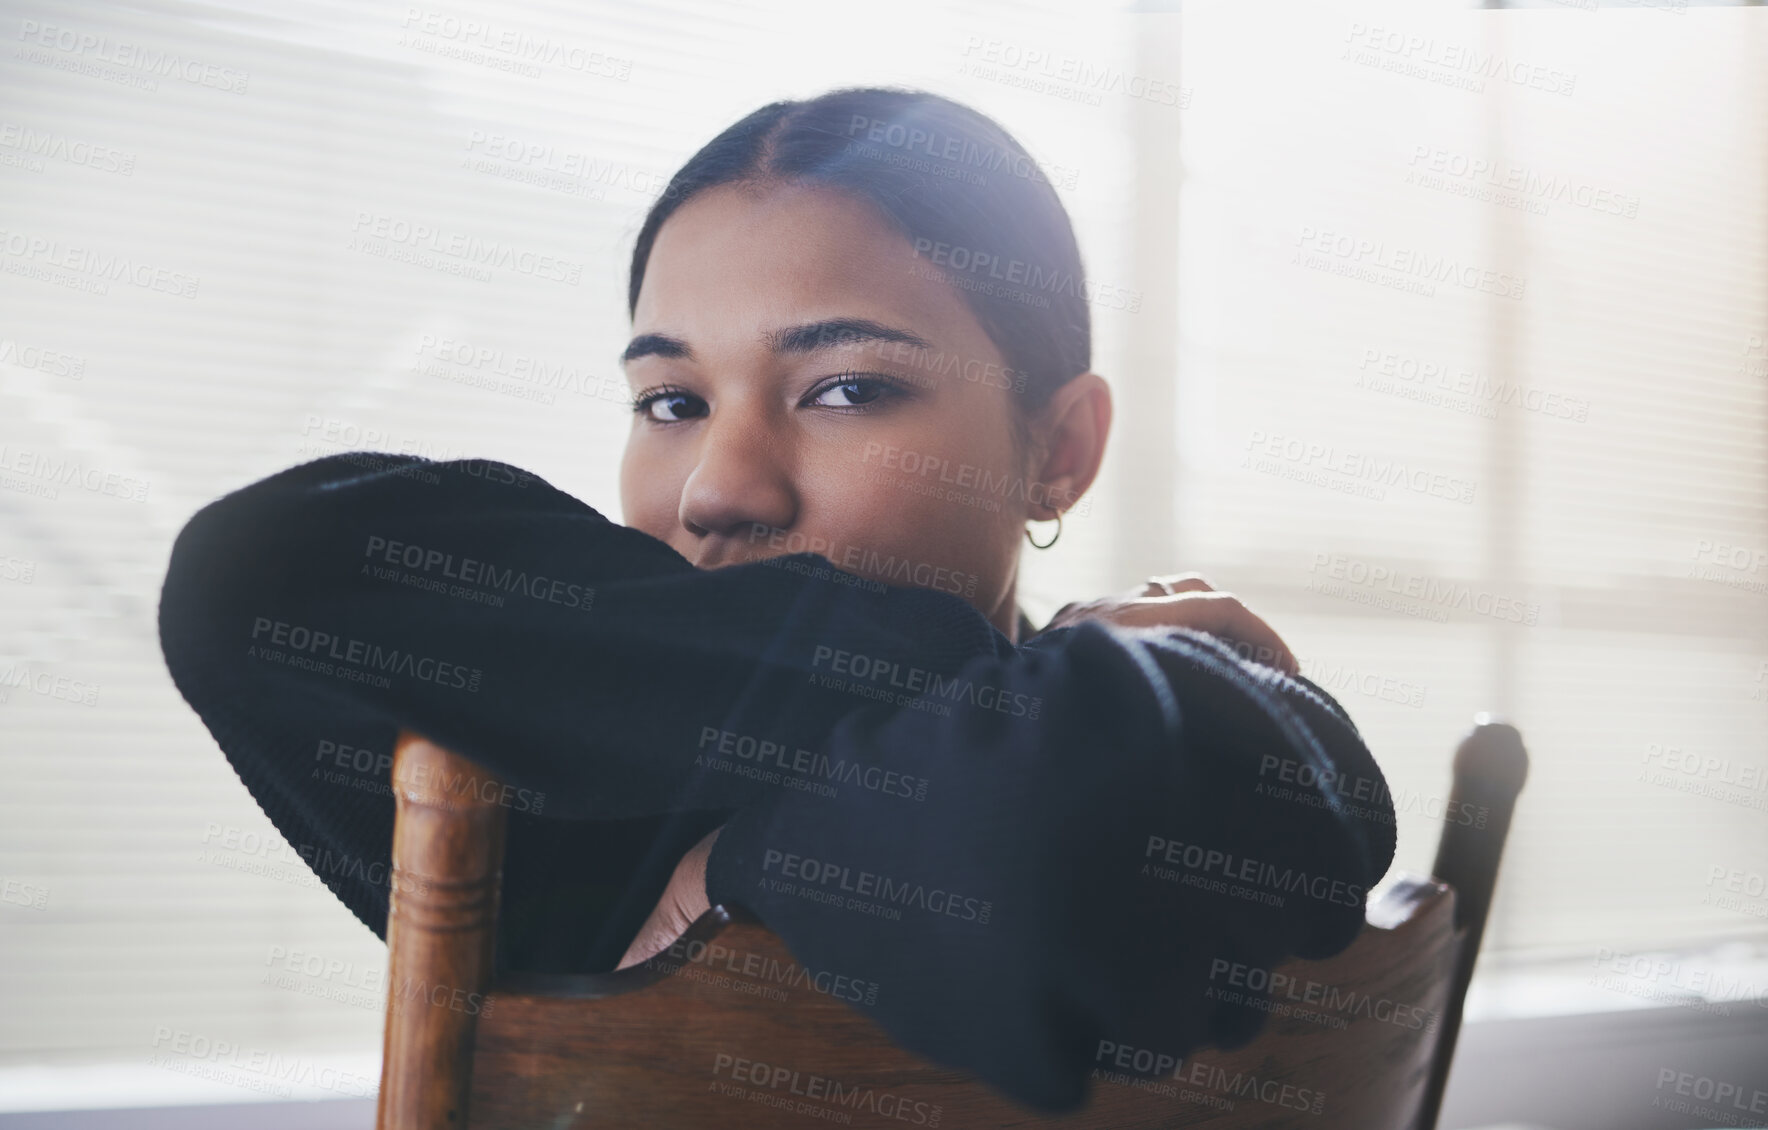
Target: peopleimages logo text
(471,571)
(823,873)
(808,764)
(466,248)
(89,46)
(1230,866)
(918,680)
(1032,276)
(359,653)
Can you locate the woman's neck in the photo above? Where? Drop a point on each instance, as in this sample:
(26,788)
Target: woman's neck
(1007,616)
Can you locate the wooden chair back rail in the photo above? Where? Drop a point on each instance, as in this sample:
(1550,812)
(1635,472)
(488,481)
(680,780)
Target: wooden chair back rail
(1490,768)
(725,1029)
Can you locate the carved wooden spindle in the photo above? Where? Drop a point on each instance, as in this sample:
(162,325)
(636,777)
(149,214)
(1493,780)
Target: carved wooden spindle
(441,932)
(1490,767)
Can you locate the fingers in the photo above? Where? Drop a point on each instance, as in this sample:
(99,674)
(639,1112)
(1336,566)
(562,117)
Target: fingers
(1211,612)
(665,924)
(683,901)
(1167,584)
(1077,610)
(1219,614)
(1188,600)
(1248,628)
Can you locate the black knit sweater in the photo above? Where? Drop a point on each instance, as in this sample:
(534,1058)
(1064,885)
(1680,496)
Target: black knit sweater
(1025,850)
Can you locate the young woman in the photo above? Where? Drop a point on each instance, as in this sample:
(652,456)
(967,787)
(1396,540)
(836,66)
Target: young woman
(840,348)
(798,680)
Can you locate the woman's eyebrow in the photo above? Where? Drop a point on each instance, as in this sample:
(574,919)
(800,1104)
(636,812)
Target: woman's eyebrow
(808,338)
(656,345)
(834,332)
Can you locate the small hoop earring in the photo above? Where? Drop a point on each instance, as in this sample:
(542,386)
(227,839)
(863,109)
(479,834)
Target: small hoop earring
(1053,537)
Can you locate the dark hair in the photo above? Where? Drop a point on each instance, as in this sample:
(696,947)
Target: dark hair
(951,180)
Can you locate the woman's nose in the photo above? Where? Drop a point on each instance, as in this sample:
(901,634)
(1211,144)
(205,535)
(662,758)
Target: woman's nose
(741,479)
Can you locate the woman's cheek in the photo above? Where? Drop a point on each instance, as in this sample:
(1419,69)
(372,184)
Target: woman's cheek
(946,547)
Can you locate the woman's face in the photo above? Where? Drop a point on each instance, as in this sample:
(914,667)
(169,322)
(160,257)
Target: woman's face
(806,383)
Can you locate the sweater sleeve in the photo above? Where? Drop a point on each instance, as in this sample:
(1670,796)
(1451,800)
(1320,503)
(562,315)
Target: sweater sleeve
(1027,850)
(1105,815)
(590,669)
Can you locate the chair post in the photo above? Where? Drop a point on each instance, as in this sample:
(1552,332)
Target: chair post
(1490,767)
(441,932)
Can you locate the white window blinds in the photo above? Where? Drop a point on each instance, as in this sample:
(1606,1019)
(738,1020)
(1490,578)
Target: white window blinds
(1447,499)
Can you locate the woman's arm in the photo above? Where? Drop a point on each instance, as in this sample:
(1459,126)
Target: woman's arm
(1175,601)
(588,667)
(1025,849)
(1082,856)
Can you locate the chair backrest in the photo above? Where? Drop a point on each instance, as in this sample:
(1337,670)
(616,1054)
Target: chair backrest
(726,1029)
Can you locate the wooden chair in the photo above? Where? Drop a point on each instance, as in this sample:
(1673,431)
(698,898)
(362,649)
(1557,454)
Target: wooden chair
(722,1030)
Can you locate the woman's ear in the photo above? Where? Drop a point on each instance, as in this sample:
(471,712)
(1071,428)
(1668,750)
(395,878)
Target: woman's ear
(1069,441)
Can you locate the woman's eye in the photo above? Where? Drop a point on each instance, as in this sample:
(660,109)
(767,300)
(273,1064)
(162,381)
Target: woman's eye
(667,407)
(854,392)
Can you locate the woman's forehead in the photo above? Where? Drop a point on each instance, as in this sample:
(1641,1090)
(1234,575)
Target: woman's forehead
(733,262)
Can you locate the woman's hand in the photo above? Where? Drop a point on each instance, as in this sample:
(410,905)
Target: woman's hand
(683,901)
(1186,600)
